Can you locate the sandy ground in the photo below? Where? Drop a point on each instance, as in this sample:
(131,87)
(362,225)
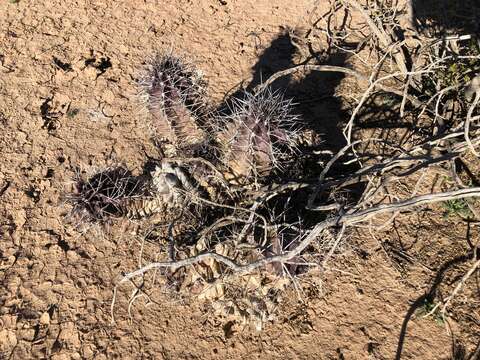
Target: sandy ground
(67,85)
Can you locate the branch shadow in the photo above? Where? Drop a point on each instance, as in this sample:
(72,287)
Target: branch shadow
(460,353)
(429,297)
(441,17)
(314,94)
(322,111)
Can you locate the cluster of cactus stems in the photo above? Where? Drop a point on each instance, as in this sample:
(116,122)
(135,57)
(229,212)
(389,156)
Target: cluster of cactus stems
(173,92)
(256,136)
(103,195)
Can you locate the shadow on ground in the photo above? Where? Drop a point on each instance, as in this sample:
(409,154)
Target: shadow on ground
(428,298)
(314,94)
(447,16)
(323,113)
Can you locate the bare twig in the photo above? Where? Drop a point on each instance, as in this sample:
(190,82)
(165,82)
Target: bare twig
(331,68)
(345,219)
(467,124)
(460,284)
(455,291)
(384,39)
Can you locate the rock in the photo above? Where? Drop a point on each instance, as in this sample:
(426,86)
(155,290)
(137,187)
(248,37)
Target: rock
(8,341)
(26,334)
(45,319)
(88,352)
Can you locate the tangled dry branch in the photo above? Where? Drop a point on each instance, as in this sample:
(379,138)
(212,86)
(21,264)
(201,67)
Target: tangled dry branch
(347,219)
(258,139)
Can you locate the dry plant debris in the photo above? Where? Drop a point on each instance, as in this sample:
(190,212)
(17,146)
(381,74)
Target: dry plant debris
(265,219)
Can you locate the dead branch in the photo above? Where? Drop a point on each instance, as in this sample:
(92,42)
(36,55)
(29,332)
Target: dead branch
(346,219)
(384,39)
(339,69)
(380,172)
(460,284)
(468,121)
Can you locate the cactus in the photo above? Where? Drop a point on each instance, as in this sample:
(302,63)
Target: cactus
(173,92)
(213,155)
(259,135)
(102,196)
(256,137)
(115,192)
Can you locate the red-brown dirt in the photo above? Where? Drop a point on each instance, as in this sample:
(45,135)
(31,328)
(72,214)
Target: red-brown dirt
(68,101)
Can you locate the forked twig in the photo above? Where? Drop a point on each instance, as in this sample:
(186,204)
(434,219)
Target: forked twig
(455,291)
(460,284)
(339,69)
(345,219)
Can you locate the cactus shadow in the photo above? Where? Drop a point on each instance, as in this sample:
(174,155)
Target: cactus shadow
(314,96)
(277,56)
(321,114)
(321,109)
